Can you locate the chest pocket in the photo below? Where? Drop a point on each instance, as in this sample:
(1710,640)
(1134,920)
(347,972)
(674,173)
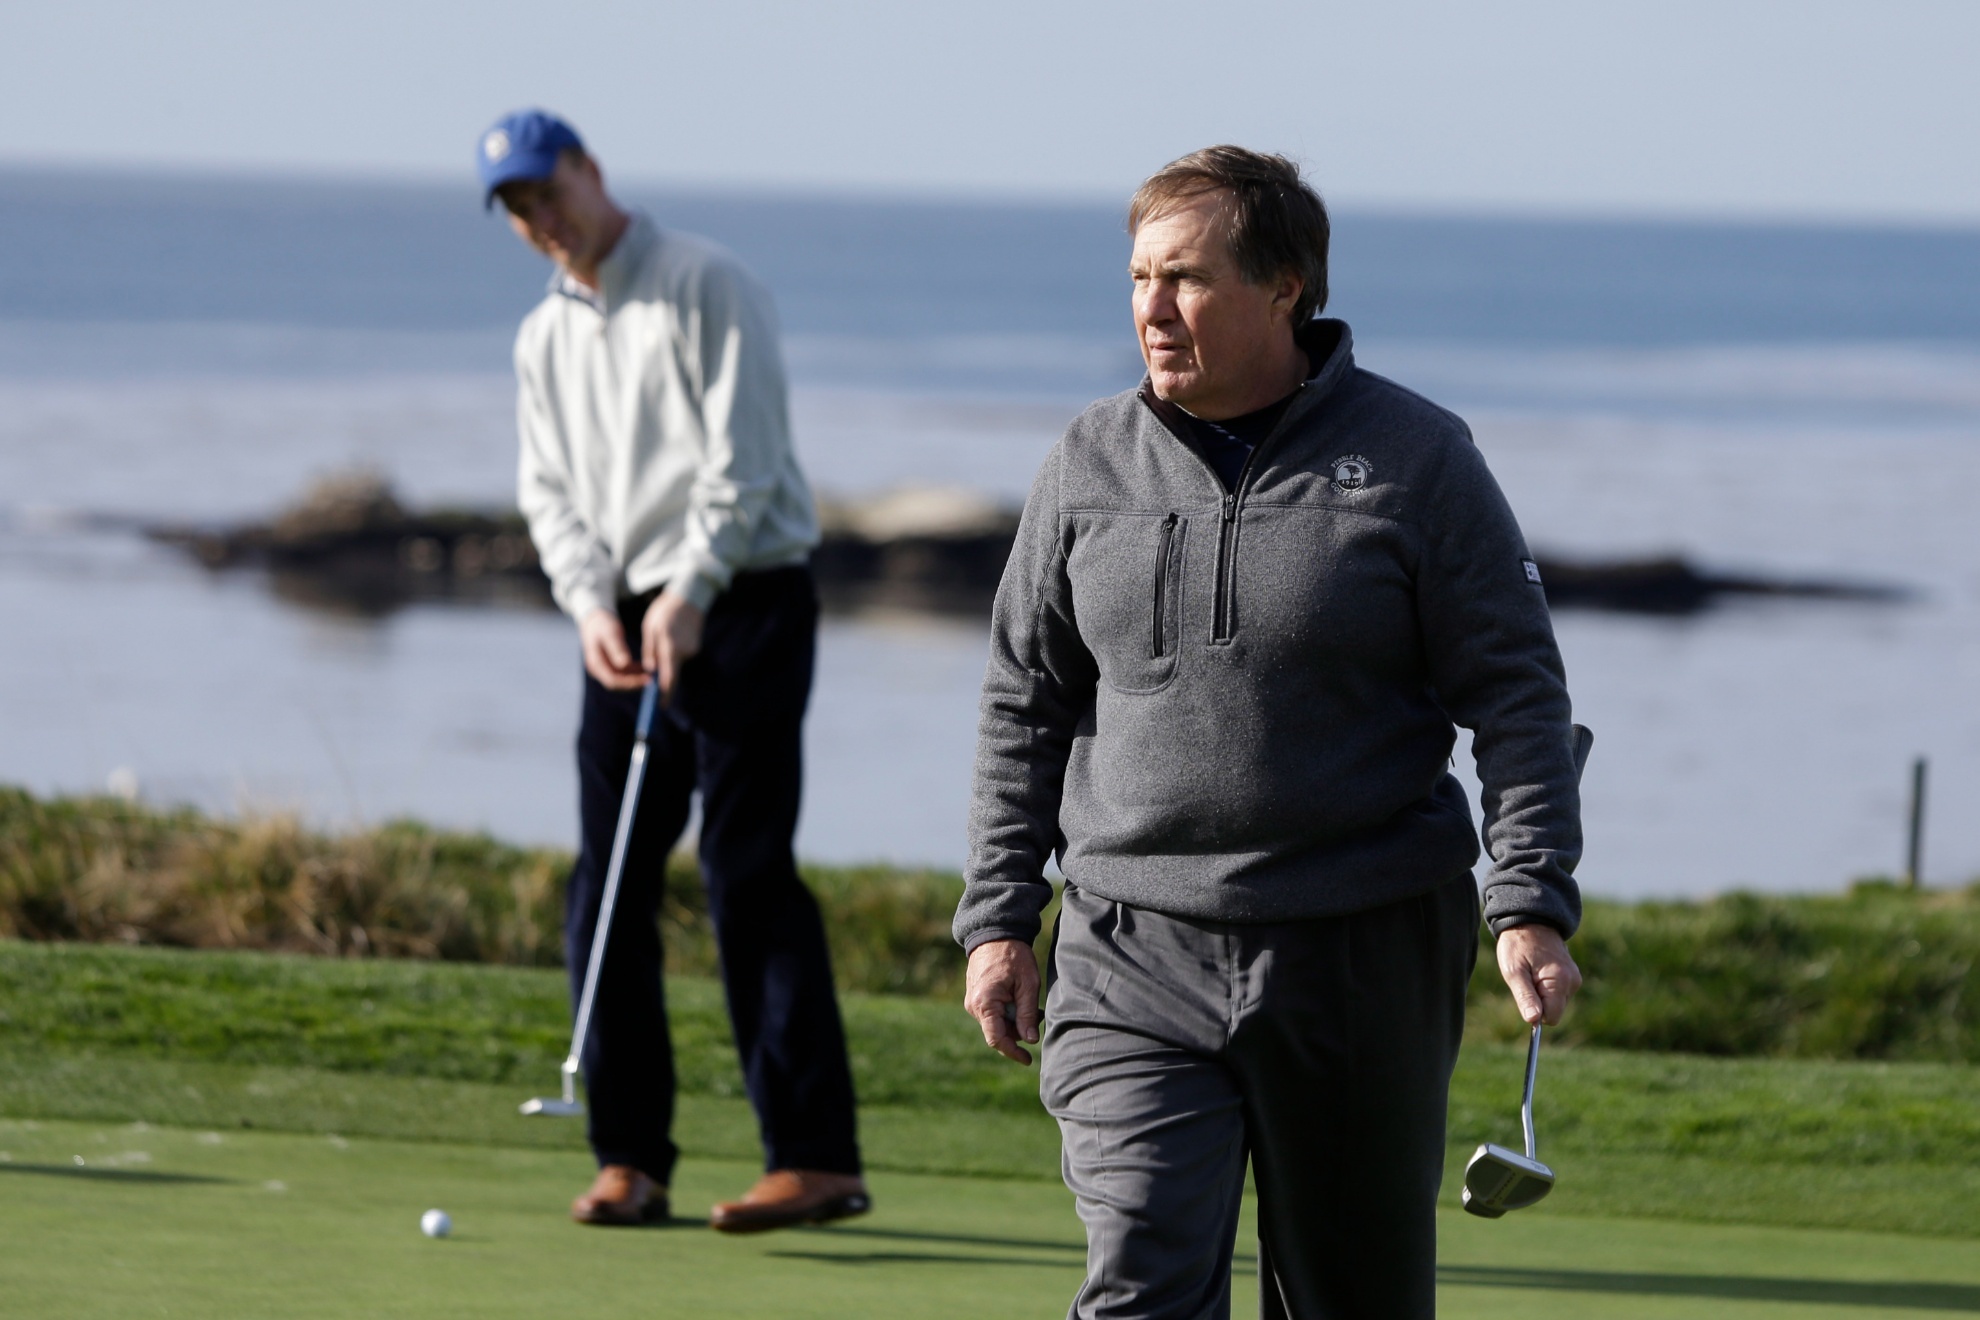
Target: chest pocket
(1127,575)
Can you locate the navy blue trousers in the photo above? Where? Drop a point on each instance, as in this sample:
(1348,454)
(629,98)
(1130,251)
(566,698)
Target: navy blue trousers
(732,734)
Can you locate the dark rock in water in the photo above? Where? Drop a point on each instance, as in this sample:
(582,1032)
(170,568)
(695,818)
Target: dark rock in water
(349,545)
(939,550)
(1669,585)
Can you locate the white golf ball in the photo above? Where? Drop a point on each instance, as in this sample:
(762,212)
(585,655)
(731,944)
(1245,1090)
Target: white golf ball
(435,1223)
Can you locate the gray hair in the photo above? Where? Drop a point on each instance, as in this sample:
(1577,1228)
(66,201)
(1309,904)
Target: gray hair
(1275,222)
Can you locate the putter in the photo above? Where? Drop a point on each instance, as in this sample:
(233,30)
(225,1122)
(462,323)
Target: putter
(1497,1180)
(567,1105)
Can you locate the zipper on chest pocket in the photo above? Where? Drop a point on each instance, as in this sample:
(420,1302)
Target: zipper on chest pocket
(1162,551)
(1220,627)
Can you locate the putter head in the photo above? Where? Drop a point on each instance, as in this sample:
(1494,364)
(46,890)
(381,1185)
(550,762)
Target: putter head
(566,1106)
(1497,1180)
(551,1107)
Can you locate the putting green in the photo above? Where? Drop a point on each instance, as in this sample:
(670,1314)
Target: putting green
(129,1220)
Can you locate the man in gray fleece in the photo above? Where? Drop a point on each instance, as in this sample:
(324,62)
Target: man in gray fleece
(1248,603)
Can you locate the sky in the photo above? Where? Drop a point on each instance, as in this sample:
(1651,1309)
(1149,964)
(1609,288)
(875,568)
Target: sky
(1814,109)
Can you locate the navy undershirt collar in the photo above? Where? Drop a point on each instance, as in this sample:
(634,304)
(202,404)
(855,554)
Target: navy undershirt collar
(1227,444)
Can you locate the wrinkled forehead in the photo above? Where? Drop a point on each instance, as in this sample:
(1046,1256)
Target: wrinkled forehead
(1197,224)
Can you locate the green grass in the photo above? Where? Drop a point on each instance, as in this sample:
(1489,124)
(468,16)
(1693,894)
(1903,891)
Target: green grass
(1628,1174)
(1880,972)
(508,1026)
(1791,1132)
(432,1051)
(241,1098)
(231,1134)
(450,1021)
(165,1222)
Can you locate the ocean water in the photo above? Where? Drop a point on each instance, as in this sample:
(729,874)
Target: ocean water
(1803,401)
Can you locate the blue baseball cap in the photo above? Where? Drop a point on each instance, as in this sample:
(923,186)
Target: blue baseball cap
(523,145)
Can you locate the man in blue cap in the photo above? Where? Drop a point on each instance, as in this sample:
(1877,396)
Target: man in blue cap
(668,511)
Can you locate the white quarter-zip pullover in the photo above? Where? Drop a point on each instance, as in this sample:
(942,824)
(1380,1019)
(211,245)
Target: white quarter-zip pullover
(656,439)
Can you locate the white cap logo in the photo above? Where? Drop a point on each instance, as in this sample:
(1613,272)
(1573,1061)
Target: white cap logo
(495,145)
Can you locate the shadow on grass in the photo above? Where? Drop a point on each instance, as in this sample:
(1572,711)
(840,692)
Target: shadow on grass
(1075,1252)
(87,1174)
(959,1239)
(650,1225)
(927,1258)
(1731,1287)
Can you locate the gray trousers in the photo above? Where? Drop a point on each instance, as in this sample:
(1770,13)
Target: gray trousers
(1321,1050)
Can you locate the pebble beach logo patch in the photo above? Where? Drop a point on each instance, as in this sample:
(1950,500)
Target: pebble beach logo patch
(1532,571)
(1351,473)
(495,145)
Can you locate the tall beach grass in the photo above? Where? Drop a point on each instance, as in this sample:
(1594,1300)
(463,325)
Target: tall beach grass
(101,870)
(1877,972)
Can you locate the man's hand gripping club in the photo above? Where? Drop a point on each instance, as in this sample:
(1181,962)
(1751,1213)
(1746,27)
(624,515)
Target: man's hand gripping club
(669,636)
(1003,996)
(1539,971)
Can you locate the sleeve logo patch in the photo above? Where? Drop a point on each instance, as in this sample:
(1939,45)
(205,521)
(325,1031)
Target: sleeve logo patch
(1351,473)
(1532,571)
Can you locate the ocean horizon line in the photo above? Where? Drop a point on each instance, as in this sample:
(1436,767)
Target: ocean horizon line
(1109,200)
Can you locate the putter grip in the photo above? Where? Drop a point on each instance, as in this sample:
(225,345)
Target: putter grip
(649,701)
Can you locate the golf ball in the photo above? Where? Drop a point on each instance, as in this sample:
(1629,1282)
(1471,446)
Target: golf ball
(435,1223)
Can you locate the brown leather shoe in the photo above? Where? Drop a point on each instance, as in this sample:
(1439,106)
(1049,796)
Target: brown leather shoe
(622,1195)
(783,1197)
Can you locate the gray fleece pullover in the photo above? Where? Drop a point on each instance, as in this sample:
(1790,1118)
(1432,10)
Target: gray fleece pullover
(1238,706)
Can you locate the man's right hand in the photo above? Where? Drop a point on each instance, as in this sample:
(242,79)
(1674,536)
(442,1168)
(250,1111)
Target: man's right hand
(1539,971)
(1003,974)
(607,658)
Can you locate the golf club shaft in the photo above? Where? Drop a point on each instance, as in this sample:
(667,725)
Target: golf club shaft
(1526,1101)
(614,870)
